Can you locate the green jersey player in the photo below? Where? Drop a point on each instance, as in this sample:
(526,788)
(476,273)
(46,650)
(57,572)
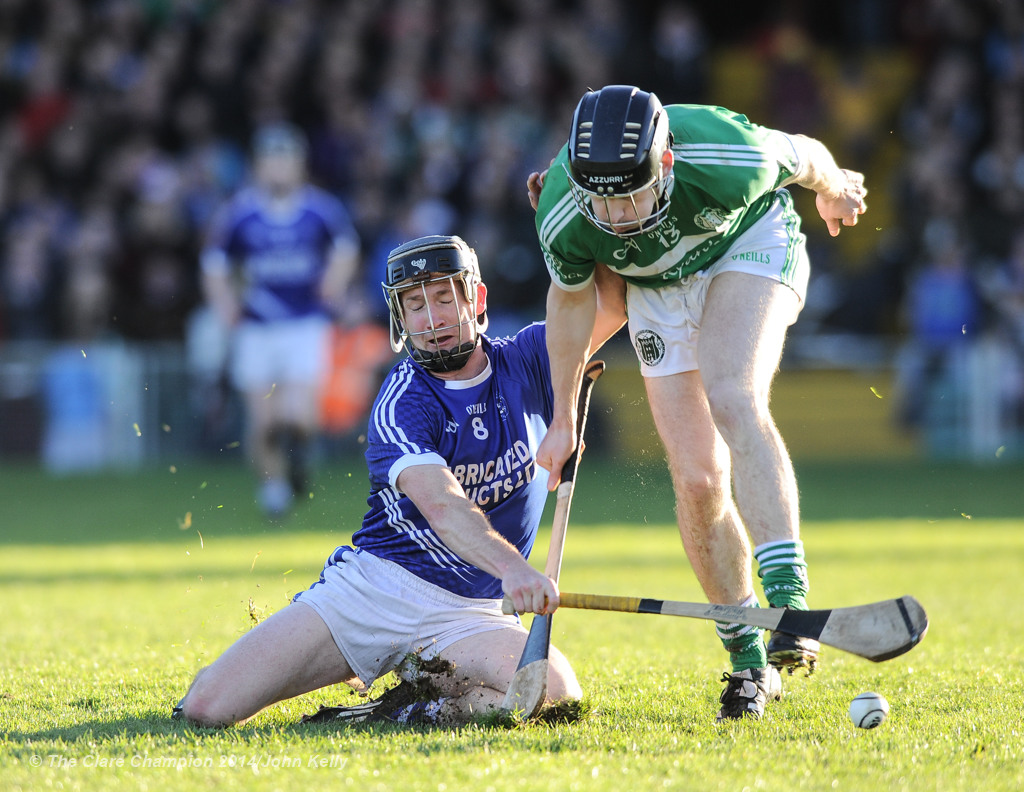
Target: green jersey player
(686,204)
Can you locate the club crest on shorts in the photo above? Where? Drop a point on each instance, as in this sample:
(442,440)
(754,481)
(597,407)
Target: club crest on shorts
(709,218)
(650,347)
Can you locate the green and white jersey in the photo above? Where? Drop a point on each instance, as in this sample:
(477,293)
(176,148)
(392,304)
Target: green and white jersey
(727,171)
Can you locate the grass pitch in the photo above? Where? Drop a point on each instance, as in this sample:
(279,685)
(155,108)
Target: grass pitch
(115,590)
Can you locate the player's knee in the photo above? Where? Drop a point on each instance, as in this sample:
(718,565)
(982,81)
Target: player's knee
(204,705)
(562,682)
(700,488)
(201,711)
(737,413)
(565,689)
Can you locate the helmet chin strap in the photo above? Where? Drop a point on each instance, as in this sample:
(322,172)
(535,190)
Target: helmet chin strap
(445,359)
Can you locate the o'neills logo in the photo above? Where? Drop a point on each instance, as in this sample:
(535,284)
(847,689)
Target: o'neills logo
(650,347)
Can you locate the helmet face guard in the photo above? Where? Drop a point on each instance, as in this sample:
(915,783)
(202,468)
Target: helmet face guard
(417,265)
(618,139)
(659,189)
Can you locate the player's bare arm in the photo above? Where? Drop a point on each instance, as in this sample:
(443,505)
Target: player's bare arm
(466,531)
(611,306)
(603,306)
(221,294)
(570,323)
(342,266)
(839,192)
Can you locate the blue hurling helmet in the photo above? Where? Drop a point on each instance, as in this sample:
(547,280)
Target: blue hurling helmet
(619,135)
(423,261)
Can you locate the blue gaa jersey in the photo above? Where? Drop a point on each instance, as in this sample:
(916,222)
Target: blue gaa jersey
(282,250)
(486,431)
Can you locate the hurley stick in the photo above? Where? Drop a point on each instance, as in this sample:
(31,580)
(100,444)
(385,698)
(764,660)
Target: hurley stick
(529,686)
(877,631)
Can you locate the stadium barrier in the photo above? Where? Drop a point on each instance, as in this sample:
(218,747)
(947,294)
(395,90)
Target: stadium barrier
(115,405)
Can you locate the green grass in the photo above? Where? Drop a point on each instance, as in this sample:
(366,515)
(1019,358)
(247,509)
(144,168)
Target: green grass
(115,589)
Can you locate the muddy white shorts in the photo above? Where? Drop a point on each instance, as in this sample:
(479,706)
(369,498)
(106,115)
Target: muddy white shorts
(378,613)
(287,351)
(664,324)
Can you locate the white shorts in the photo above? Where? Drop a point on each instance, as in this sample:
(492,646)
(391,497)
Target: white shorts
(287,351)
(378,613)
(664,324)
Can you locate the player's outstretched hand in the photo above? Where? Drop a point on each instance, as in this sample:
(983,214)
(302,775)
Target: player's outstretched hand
(530,591)
(554,450)
(846,207)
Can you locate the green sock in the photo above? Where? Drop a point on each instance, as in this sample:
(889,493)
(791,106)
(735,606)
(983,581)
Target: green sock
(751,656)
(783,572)
(744,643)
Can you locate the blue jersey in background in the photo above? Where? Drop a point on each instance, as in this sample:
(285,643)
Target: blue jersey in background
(282,250)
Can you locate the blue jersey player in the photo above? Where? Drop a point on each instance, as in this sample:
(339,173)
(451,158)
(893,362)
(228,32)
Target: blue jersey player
(455,502)
(276,265)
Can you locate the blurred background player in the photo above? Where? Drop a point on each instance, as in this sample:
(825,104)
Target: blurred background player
(275,269)
(686,204)
(456,498)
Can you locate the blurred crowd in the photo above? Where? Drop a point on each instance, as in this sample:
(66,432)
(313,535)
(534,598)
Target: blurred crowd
(960,262)
(124,124)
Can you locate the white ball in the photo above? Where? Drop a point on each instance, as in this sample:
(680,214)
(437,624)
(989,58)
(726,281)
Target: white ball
(868,710)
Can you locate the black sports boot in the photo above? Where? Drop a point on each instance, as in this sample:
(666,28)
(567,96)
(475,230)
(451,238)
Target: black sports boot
(747,692)
(791,652)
